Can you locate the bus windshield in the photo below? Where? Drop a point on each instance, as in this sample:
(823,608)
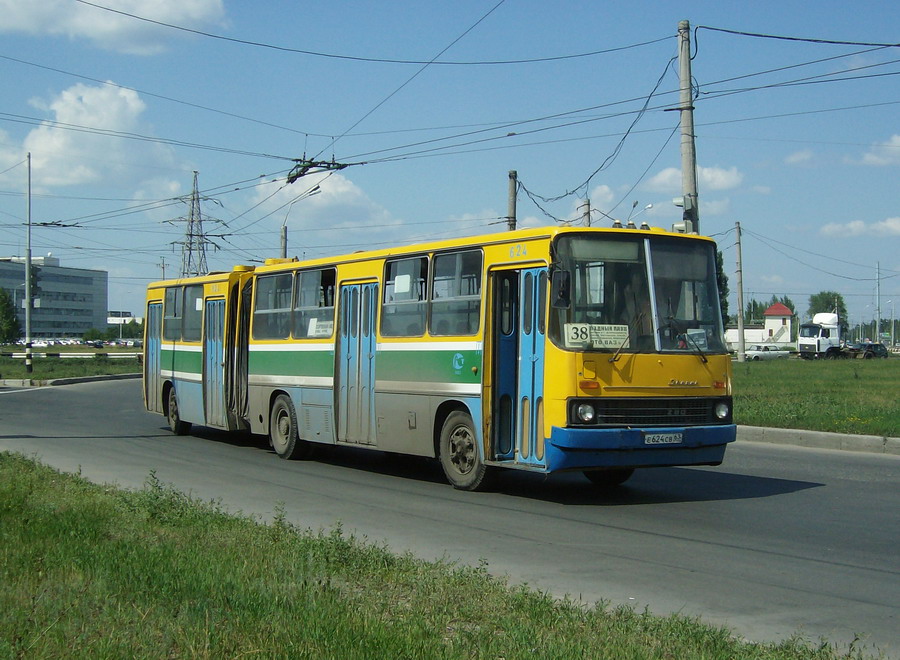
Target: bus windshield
(635,294)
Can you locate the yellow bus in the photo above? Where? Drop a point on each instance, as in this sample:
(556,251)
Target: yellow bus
(551,349)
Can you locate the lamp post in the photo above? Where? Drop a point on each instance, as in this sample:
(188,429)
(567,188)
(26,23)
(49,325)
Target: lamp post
(646,208)
(892,323)
(28,363)
(308,193)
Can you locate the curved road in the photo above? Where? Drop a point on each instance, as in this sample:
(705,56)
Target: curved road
(775,541)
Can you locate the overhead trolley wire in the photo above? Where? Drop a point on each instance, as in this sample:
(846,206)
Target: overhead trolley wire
(377,60)
(832,42)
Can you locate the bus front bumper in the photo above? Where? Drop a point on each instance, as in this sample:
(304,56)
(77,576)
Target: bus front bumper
(584,448)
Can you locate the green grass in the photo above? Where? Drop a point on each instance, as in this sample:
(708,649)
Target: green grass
(843,396)
(90,571)
(50,368)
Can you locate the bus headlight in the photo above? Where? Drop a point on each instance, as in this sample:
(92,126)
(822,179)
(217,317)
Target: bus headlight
(721,410)
(585,412)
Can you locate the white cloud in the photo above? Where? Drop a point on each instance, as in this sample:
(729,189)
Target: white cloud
(108,29)
(715,207)
(340,218)
(884,153)
(62,157)
(602,196)
(772,279)
(717,178)
(799,157)
(667,181)
(709,178)
(888,227)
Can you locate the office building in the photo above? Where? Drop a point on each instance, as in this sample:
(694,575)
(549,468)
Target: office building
(69,301)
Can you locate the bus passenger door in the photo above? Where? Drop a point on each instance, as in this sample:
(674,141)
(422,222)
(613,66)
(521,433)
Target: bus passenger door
(152,364)
(214,363)
(518,365)
(356,364)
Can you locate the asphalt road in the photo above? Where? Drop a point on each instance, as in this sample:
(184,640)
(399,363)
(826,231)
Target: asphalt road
(775,541)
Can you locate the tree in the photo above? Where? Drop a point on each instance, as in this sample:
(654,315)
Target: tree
(722,281)
(132,330)
(753,314)
(828,302)
(10,329)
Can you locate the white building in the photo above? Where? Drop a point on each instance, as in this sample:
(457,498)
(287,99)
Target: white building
(776,329)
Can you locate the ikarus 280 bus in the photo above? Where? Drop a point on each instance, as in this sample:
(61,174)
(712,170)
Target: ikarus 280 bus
(553,349)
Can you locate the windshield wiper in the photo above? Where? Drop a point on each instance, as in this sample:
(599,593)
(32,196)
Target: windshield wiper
(700,352)
(631,326)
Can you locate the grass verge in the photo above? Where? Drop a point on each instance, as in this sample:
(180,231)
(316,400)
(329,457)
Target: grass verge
(95,572)
(50,368)
(842,396)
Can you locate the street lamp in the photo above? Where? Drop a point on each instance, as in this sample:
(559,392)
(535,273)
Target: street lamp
(315,190)
(893,341)
(633,215)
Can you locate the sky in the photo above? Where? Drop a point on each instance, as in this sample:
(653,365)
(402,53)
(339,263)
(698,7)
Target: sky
(429,105)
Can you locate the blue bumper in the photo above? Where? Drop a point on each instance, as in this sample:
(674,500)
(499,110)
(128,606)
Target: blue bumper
(582,448)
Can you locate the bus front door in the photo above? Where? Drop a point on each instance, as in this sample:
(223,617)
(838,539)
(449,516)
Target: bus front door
(518,365)
(356,363)
(152,362)
(214,363)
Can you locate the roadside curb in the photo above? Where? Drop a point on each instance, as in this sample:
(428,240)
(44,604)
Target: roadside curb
(874,444)
(27,382)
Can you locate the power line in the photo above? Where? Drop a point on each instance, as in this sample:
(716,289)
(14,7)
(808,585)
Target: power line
(766,242)
(33,121)
(378,60)
(785,38)
(412,77)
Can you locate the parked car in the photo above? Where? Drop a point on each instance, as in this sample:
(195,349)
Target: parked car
(764,352)
(873,350)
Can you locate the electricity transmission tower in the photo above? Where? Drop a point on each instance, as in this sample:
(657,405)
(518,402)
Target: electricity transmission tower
(193,247)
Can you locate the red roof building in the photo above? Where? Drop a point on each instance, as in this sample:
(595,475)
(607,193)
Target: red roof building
(778,309)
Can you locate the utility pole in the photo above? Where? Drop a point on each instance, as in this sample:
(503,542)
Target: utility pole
(691,214)
(284,241)
(877,301)
(585,209)
(511,203)
(162,264)
(28,362)
(740,296)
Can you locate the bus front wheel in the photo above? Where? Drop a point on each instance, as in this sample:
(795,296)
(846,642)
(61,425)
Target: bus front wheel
(178,425)
(284,430)
(459,454)
(609,478)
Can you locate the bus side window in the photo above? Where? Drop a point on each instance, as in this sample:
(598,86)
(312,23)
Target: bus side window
(456,293)
(404,300)
(172,313)
(192,322)
(314,304)
(272,308)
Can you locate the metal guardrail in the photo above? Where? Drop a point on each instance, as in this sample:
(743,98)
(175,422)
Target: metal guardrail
(112,356)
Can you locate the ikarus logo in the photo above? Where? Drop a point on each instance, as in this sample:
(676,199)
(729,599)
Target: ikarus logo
(458,361)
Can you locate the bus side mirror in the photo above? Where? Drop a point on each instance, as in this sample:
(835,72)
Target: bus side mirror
(560,295)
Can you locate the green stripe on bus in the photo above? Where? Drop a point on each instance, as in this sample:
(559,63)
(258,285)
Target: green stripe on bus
(429,366)
(184,361)
(292,363)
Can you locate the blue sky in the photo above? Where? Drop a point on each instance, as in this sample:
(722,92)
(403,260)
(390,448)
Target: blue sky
(798,141)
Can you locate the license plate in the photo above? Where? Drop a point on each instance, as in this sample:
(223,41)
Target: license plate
(663,438)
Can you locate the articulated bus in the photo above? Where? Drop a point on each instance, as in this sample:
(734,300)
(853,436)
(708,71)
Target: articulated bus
(553,349)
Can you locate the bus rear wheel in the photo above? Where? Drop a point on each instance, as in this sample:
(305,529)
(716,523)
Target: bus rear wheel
(459,454)
(284,430)
(178,425)
(608,479)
